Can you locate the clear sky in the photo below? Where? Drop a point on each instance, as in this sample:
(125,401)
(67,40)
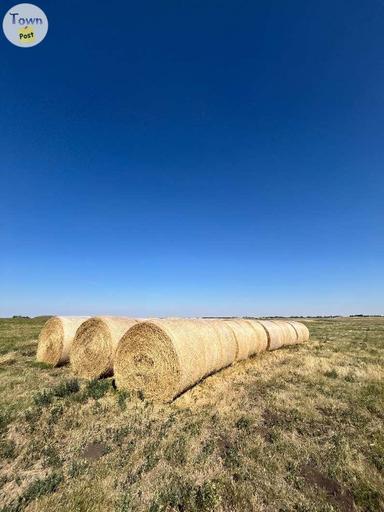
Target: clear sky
(194,158)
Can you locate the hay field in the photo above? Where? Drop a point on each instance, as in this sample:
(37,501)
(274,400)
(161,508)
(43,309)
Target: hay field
(298,429)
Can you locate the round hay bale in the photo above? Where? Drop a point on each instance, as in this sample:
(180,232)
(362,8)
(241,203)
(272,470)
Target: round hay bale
(290,334)
(56,337)
(275,333)
(250,339)
(301,330)
(262,336)
(94,346)
(163,358)
(226,350)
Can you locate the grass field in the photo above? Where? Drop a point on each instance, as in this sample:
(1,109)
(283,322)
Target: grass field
(298,429)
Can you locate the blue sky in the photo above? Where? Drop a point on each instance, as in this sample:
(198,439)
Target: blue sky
(194,158)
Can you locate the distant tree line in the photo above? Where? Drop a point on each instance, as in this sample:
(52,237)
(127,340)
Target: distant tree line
(354,316)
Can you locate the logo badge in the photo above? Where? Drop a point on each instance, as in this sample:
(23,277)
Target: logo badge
(25,25)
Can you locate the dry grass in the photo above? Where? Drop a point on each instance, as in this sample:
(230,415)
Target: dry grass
(297,429)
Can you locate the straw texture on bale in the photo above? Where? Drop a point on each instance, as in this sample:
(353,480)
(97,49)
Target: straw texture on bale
(94,346)
(289,333)
(275,334)
(262,336)
(163,358)
(301,329)
(250,337)
(224,348)
(56,337)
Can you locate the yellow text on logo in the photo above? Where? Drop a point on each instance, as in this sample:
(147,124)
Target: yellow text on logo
(26,35)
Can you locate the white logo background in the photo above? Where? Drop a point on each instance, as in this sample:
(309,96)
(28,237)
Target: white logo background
(25,25)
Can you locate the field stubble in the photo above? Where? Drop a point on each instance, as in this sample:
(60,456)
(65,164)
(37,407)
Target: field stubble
(298,429)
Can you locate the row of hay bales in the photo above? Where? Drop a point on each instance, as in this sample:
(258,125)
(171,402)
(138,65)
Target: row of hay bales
(159,357)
